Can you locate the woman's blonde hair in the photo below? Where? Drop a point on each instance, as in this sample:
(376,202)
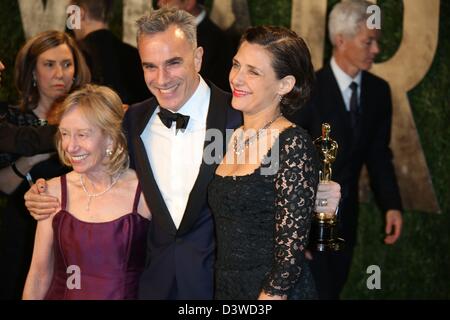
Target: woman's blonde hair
(102,107)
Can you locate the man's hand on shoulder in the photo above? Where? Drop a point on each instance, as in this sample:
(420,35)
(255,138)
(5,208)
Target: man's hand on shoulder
(39,203)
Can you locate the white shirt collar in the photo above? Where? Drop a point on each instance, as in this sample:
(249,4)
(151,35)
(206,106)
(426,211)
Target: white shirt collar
(200,17)
(197,105)
(343,79)
(176,158)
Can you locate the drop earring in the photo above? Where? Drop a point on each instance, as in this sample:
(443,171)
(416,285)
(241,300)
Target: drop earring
(34,83)
(108,152)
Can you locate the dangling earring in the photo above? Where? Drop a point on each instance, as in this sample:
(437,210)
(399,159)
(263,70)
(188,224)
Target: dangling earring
(34,83)
(108,152)
(280,97)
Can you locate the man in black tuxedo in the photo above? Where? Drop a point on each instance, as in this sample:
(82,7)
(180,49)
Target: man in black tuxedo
(112,62)
(168,156)
(168,143)
(218,48)
(357,105)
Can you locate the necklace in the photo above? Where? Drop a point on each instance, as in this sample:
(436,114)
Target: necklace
(94,195)
(240,146)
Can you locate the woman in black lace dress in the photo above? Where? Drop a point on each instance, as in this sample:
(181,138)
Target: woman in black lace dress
(264,190)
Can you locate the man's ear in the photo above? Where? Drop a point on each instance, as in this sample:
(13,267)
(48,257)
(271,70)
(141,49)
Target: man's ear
(286,85)
(189,5)
(338,40)
(198,58)
(83,13)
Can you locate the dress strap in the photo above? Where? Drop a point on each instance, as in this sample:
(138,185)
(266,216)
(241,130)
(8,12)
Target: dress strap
(137,197)
(63,192)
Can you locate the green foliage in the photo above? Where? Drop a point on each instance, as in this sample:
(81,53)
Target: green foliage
(272,12)
(418,266)
(11,38)
(391,29)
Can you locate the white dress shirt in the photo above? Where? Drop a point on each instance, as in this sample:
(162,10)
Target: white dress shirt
(175,158)
(344,81)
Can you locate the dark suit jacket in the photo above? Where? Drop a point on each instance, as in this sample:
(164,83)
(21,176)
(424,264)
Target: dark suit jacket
(369,145)
(183,258)
(115,64)
(218,53)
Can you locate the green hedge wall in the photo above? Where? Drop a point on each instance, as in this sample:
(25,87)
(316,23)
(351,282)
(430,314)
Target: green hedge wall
(418,266)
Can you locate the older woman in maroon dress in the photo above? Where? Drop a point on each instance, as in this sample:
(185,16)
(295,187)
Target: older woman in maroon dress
(94,247)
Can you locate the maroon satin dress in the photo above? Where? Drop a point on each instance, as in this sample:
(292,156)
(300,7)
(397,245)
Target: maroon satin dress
(110,255)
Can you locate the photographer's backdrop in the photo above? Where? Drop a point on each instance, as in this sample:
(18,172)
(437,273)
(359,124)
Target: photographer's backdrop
(415,59)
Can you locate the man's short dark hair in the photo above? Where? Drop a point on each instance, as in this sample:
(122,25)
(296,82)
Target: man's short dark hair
(99,10)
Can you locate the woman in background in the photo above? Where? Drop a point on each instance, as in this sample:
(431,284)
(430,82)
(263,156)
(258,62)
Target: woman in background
(47,68)
(23,140)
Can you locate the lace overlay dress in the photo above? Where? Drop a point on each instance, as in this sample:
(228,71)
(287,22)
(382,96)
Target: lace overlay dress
(262,225)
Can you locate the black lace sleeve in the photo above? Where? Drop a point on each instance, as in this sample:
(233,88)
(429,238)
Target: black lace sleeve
(296,186)
(14,116)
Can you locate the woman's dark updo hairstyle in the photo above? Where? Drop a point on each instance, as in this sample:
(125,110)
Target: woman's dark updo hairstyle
(290,56)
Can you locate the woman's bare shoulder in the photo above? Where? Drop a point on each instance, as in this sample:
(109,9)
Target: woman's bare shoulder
(130,176)
(54,187)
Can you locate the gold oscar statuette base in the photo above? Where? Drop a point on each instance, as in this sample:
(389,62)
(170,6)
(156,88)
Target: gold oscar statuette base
(323,233)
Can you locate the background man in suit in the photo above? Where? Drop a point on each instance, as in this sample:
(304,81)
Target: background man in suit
(218,49)
(357,105)
(23,140)
(166,140)
(112,62)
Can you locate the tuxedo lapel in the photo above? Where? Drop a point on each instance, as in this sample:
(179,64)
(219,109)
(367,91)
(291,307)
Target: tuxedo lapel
(364,106)
(216,119)
(160,214)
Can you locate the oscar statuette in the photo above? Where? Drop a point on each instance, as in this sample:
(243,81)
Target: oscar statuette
(324,224)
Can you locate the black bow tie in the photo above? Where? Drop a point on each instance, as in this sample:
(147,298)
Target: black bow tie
(168,117)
